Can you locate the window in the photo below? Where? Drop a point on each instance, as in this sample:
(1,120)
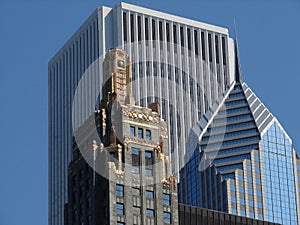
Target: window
(168,32)
(217,49)
(242,201)
(132,130)
(146,29)
(120,190)
(120,223)
(189,38)
(160,31)
(241,189)
(250,191)
(125,27)
(135,160)
(120,208)
(150,194)
(203,45)
(209,48)
(149,163)
(153,29)
(148,134)
(166,199)
(196,42)
(140,132)
(139,29)
(167,217)
(259,193)
(174,34)
(132,27)
(150,213)
(181,37)
(233,199)
(251,203)
(224,51)
(232,187)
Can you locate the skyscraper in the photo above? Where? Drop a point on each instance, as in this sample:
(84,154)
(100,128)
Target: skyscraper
(245,163)
(138,188)
(184,65)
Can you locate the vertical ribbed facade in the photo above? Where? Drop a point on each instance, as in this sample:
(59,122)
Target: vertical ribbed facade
(183,64)
(65,71)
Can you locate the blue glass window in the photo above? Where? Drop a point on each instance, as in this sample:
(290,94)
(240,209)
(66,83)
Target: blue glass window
(241,177)
(251,214)
(140,133)
(241,189)
(243,101)
(135,160)
(232,187)
(257,170)
(233,199)
(240,94)
(251,203)
(259,205)
(232,142)
(242,201)
(150,194)
(148,134)
(120,190)
(120,208)
(150,213)
(132,130)
(167,217)
(250,191)
(149,163)
(120,223)
(166,199)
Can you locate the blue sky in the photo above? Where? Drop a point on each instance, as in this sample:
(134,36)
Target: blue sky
(32,31)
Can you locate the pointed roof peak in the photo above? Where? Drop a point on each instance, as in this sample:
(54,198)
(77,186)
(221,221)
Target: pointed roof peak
(238,72)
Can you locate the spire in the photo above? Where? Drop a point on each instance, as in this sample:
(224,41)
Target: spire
(238,72)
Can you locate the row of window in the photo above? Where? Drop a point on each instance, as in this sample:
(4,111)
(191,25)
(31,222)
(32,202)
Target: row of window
(151,24)
(232,126)
(231,134)
(232,150)
(149,194)
(136,161)
(235,110)
(243,101)
(226,143)
(140,132)
(149,213)
(233,118)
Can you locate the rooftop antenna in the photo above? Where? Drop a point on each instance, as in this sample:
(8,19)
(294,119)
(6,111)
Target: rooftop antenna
(238,72)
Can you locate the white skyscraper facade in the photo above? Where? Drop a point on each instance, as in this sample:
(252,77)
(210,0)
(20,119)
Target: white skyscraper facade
(184,64)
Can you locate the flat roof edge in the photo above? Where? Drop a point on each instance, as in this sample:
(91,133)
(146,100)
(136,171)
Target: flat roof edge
(179,19)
